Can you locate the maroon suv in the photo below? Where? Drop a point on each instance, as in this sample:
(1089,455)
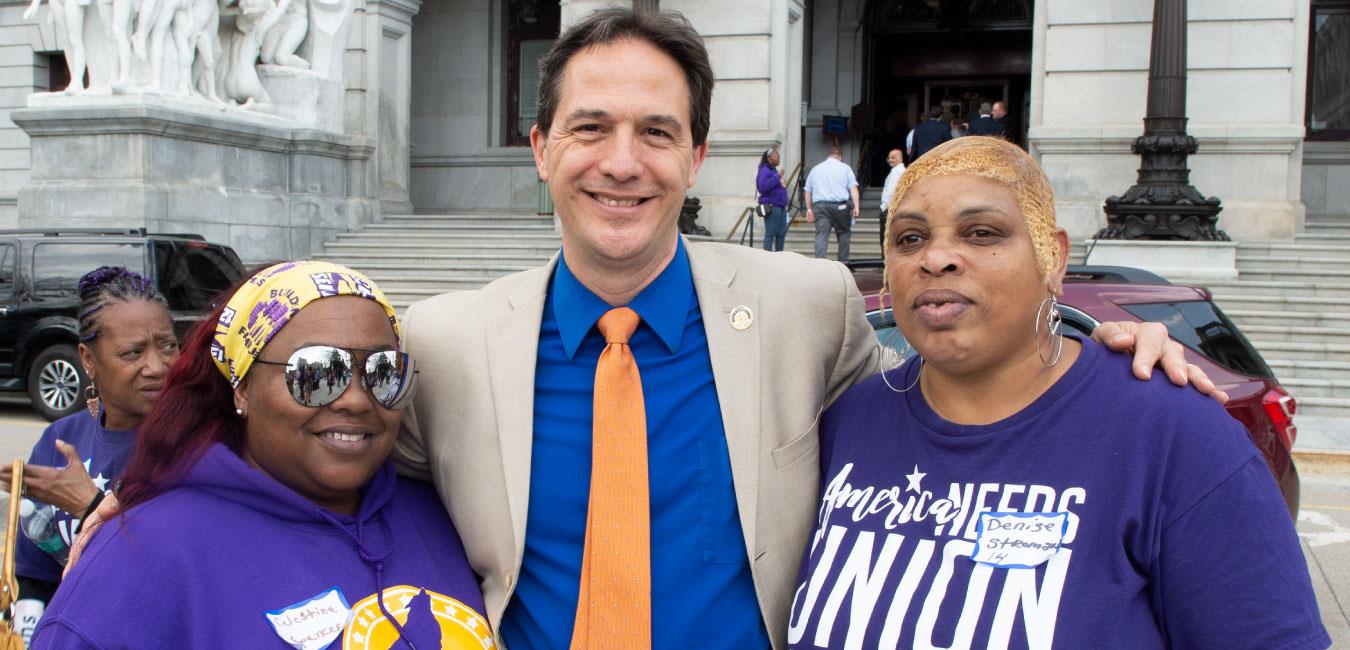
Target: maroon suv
(1095,294)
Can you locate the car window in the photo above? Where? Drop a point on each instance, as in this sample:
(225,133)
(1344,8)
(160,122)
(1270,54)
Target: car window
(1202,327)
(191,273)
(883,325)
(8,256)
(57,267)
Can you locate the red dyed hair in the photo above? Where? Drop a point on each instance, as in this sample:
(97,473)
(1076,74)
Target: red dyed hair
(194,411)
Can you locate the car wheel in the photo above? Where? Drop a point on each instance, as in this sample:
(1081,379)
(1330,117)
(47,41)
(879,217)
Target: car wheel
(56,382)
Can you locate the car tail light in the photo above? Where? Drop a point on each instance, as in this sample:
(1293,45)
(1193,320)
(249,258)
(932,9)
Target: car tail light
(1280,408)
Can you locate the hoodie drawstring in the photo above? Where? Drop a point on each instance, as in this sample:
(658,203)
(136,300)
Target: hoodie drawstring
(376,561)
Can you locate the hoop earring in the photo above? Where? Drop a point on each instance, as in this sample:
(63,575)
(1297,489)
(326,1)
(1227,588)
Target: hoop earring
(911,385)
(91,399)
(1048,314)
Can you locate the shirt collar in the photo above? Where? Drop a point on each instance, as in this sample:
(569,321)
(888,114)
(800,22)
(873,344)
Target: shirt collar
(662,305)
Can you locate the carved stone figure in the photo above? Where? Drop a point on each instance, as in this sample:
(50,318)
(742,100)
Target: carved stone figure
(69,18)
(282,41)
(242,45)
(158,20)
(117,17)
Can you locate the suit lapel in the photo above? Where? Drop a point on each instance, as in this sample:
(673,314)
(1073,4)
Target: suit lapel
(735,356)
(512,345)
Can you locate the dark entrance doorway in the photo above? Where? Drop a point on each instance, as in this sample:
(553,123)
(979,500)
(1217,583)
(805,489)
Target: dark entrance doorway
(954,54)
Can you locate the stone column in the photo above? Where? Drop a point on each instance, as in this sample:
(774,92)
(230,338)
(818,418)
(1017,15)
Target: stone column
(379,96)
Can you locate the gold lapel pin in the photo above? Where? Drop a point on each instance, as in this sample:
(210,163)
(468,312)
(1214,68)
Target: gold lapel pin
(741,318)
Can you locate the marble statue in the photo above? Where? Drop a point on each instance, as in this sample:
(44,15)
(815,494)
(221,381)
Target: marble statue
(242,46)
(280,57)
(117,17)
(69,18)
(282,41)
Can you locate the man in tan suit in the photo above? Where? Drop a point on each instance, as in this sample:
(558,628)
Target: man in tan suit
(501,423)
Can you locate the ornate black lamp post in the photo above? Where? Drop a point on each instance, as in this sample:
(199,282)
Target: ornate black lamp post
(1162,204)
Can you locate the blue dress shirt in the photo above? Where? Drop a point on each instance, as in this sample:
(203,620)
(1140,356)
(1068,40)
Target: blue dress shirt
(702,592)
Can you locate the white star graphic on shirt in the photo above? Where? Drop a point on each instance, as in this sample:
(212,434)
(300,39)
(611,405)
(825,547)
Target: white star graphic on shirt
(100,482)
(914,479)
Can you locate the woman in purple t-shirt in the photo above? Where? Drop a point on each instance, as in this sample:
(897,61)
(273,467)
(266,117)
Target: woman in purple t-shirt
(1013,487)
(126,346)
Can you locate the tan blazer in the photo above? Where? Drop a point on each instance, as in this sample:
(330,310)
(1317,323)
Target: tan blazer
(469,430)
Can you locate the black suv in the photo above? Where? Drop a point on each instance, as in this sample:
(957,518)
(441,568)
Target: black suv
(39,274)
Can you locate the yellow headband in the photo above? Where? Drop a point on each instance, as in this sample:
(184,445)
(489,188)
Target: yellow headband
(268,300)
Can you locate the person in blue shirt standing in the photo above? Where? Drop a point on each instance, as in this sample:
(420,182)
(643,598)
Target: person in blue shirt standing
(831,197)
(772,190)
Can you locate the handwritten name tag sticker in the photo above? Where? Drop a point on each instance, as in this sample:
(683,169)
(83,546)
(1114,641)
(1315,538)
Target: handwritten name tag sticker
(1018,540)
(313,623)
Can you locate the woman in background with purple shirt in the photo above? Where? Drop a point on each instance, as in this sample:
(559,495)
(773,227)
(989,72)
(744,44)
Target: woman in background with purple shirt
(772,190)
(126,346)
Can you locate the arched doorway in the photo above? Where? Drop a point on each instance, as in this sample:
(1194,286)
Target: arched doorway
(954,54)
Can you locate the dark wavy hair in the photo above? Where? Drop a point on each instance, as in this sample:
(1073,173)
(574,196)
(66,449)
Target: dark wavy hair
(106,285)
(669,32)
(194,411)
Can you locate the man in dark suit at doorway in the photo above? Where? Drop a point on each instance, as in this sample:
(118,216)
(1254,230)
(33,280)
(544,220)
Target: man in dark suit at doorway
(929,133)
(985,124)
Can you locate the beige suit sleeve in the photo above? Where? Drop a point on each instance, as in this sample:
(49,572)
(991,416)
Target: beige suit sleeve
(410,454)
(859,355)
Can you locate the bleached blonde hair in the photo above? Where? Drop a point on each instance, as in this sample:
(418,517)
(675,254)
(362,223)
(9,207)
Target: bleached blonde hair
(1002,162)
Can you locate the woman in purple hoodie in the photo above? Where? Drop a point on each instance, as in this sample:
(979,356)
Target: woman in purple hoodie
(772,192)
(260,509)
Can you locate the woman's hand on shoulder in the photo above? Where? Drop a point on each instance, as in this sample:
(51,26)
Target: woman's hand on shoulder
(1151,346)
(105,509)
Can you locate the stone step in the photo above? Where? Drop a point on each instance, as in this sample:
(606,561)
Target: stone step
(504,248)
(1322,406)
(1310,369)
(1275,333)
(464,220)
(1283,288)
(1304,387)
(1290,249)
(459,228)
(1332,266)
(1318,237)
(1303,276)
(1230,301)
(1246,318)
(1281,350)
(430,263)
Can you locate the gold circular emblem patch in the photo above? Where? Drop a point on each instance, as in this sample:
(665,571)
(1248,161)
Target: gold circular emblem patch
(461,627)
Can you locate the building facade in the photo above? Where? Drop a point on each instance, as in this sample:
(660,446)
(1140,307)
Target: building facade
(442,92)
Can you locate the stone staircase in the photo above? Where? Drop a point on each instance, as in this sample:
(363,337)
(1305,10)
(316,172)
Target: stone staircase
(416,256)
(1292,299)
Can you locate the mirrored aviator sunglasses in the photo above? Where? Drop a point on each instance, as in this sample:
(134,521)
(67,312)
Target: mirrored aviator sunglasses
(318,374)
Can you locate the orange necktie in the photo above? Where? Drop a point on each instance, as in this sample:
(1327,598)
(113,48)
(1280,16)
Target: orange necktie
(614,607)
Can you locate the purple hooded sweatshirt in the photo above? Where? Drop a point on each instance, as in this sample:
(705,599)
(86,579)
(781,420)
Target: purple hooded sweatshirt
(232,558)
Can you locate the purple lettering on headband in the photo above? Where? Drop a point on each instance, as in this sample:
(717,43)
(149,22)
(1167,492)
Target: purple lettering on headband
(226,317)
(273,310)
(326,283)
(217,351)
